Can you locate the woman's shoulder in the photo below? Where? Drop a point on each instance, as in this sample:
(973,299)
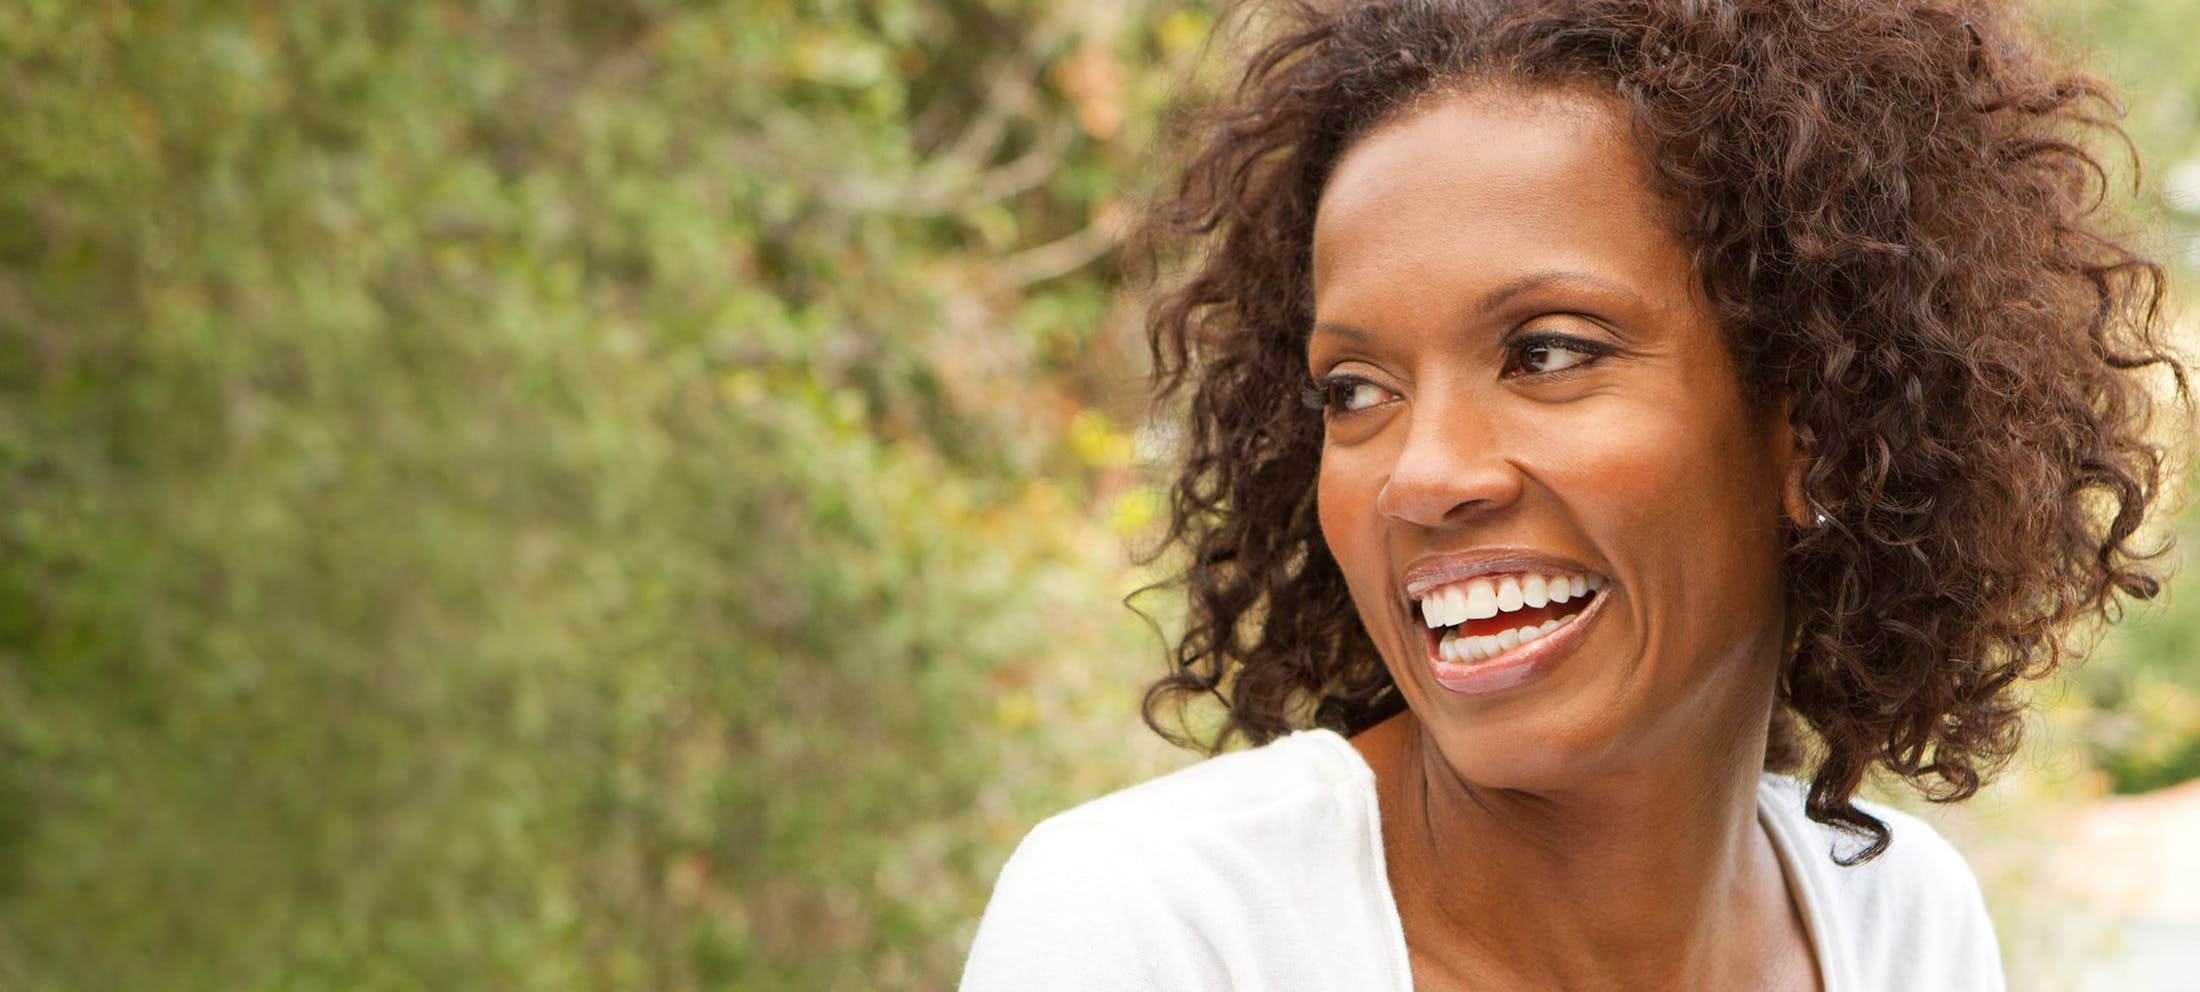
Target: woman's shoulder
(1912,917)
(1916,854)
(1276,780)
(1272,855)
(1294,799)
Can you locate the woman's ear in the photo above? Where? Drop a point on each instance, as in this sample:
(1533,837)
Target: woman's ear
(1795,464)
(1792,500)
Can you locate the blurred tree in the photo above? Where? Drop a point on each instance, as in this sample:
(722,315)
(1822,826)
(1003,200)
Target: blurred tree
(554,496)
(2137,700)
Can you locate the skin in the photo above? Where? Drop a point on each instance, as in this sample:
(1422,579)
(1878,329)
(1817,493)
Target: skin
(1595,825)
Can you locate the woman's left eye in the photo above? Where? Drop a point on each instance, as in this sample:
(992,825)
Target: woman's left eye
(1544,354)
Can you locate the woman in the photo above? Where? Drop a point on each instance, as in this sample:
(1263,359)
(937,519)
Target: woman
(1701,390)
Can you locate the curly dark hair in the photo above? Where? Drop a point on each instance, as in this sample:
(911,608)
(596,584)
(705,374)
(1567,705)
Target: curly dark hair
(1895,213)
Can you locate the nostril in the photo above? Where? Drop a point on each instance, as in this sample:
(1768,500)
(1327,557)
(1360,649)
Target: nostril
(1444,473)
(1445,501)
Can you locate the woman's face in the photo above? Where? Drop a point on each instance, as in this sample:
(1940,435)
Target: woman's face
(1535,433)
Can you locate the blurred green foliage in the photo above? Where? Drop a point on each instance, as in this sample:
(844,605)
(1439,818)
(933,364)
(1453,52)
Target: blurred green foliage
(2137,699)
(571,495)
(601,494)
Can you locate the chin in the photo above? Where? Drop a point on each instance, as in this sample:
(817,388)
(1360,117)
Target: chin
(1523,755)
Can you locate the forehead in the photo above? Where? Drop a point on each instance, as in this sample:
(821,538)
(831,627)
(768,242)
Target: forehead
(1498,177)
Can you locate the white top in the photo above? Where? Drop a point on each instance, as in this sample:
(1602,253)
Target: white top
(1263,869)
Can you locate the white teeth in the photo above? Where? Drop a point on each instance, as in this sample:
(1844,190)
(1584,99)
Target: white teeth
(1461,649)
(1444,608)
(1508,594)
(1481,599)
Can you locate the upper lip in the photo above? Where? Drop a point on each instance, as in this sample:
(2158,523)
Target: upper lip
(1434,571)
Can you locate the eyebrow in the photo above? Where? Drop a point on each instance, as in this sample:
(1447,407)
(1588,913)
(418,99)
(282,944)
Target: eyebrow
(1556,277)
(1504,294)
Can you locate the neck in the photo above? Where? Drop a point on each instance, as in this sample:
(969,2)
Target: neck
(1639,878)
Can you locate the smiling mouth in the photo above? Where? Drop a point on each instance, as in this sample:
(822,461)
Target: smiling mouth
(1483,617)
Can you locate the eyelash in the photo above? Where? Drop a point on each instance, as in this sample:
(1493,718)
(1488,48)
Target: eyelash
(1588,349)
(1327,394)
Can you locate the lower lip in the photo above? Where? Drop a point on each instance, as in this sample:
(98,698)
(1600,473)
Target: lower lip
(1516,667)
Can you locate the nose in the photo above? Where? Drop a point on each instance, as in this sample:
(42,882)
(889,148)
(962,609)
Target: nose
(1452,468)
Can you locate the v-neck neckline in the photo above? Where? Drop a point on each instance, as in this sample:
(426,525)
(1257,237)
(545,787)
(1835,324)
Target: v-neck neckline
(1787,849)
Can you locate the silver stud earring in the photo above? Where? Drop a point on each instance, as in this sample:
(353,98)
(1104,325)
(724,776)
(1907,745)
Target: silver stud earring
(1821,520)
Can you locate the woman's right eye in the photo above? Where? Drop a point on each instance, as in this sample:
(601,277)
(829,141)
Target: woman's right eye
(1345,394)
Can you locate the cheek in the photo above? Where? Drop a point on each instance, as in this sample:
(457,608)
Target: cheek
(1345,493)
(1341,509)
(1696,495)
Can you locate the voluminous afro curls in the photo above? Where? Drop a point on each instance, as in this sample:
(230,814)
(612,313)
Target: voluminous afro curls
(1894,211)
